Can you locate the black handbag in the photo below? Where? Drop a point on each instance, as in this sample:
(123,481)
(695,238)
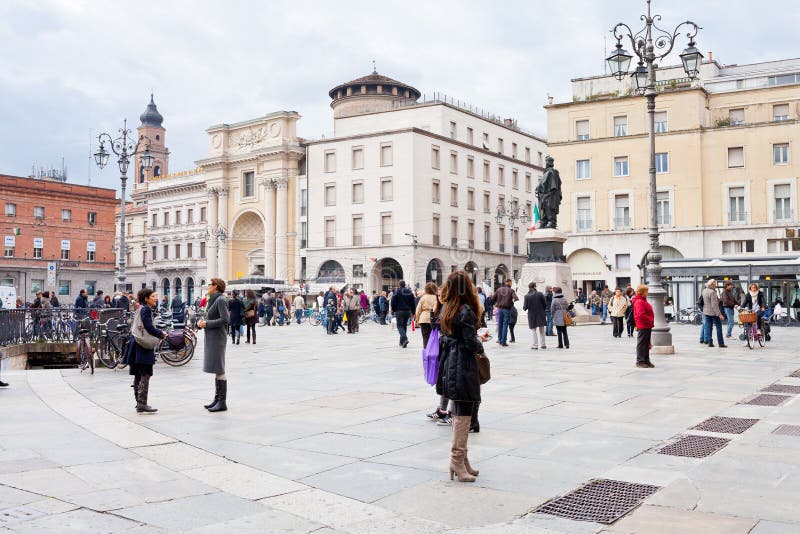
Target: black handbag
(484,368)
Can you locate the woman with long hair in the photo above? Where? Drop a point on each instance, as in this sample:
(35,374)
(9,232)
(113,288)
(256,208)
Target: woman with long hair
(215,324)
(424,313)
(460,348)
(140,359)
(250,314)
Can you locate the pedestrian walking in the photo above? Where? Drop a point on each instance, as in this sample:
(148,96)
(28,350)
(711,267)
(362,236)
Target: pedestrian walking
(424,312)
(482,301)
(605,299)
(236,317)
(512,322)
(594,302)
(269,312)
(215,323)
(140,355)
(712,315)
(459,379)
(548,300)
(617,307)
(728,303)
(504,301)
(643,316)
(402,304)
(383,305)
(560,308)
(250,314)
(331,307)
(351,303)
(535,303)
(299,308)
(630,323)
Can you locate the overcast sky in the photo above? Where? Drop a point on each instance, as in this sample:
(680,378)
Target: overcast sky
(71,67)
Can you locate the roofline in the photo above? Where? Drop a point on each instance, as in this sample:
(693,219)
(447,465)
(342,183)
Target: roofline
(621,97)
(64,184)
(677,65)
(273,115)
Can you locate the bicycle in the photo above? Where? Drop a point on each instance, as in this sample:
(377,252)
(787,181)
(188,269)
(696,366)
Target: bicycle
(111,345)
(317,317)
(83,351)
(749,321)
(179,355)
(690,316)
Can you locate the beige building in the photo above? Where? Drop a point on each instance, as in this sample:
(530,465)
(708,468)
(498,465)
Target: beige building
(727,175)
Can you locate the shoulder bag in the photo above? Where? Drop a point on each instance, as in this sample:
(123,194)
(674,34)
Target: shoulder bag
(484,368)
(142,337)
(567,318)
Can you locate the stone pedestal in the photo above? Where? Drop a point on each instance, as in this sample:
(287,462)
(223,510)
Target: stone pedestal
(546,263)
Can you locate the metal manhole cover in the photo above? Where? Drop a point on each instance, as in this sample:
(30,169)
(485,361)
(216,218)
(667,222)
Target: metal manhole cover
(767,400)
(796,374)
(787,430)
(726,425)
(600,500)
(782,388)
(694,446)
(19,514)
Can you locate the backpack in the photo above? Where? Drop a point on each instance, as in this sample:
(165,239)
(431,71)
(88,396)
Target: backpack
(700,301)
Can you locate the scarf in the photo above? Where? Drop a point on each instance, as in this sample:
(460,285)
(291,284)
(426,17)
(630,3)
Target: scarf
(209,301)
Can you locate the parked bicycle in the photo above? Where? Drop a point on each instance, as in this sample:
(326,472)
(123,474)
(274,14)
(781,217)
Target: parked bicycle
(690,316)
(83,351)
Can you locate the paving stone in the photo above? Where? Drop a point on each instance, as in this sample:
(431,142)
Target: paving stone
(79,521)
(368,481)
(327,508)
(192,512)
(345,445)
(243,481)
(659,520)
(774,527)
(178,456)
(273,521)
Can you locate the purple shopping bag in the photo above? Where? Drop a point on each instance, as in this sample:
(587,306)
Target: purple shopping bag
(430,358)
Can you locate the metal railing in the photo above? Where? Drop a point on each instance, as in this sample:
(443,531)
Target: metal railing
(783,215)
(737,216)
(622,222)
(584,225)
(41,325)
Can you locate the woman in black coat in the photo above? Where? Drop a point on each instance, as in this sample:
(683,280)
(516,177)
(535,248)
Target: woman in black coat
(459,348)
(236,315)
(141,359)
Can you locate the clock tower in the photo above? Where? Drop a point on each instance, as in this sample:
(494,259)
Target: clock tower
(151,127)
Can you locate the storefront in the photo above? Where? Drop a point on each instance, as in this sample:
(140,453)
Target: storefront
(589,270)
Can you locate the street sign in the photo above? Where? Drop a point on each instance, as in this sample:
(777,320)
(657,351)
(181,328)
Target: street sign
(51,274)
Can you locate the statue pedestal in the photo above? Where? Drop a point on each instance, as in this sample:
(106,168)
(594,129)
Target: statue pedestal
(546,263)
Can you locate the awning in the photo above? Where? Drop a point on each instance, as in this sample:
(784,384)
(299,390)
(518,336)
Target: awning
(587,264)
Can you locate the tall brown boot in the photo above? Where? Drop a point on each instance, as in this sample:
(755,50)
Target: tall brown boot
(458,451)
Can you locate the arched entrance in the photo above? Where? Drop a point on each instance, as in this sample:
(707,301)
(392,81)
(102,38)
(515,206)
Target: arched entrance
(190,290)
(386,273)
(472,269)
(331,273)
(165,287)
(178,287)
(247,245)
(434,271)
(500,275)
(589,270)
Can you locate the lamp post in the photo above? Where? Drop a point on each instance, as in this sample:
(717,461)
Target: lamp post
(125,147)
(652,44)
(512,212)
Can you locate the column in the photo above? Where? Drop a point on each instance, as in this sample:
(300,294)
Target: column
(211,240)
(282,185)
(223,244)
(269,228)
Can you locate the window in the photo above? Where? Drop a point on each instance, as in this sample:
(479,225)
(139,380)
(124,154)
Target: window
(330,194)
(621,126)
(623,262)
(358,157)
(452,130)
(435,157)
(584,222)
(358,192)
(190,216)
(735,157)
(783,245)
(783,202)
(527,154)
(622,212)
(621,166)
(528,182)
(358,230)
(486,171)
(780,112)
(662,162)
(780,153)
(202,214)
(189,250)
(736,116)
(435,229)
(37,284)
(453,162)
(129,230)
(470,136)
(157,171)
(661,124)
(738,246)
(177,251)
(330,161)
(303,234)
(166,218)
(583,170)
(435,194)
(177,217)
(154,251)
(454,195)
(11,210)
(154,221)
(501,175)
(487,237)
(783,79)
(65,254)
(386,189)
(500,146)
(303,202)
(515,179)
(9,249)
(736,213)
(66,215)
(249,185)
(470,199)
(471,234)
(515,240)
(358,270)
(166,252)
(454,232)
(662,208)
(386,154)
(91,217)
(386,229)
(582,130)
(470,167)
(202,249)
(38,245)
(38,212)
(514,150)
(63,287)
(539,158)
(485,141)
(144,256)
(487,202)
(330,232)
(502,231)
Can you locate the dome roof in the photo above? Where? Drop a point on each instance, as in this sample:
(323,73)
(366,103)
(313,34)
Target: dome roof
(151,116)
(374,79)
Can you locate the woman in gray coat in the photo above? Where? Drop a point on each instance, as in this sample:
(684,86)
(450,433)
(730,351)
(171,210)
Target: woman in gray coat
(215,324)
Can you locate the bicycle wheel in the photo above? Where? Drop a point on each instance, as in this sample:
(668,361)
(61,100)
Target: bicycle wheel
(109,355)
(82,354)
(176,358)
(363,318)
(749,331)
(761,339)
(314,319)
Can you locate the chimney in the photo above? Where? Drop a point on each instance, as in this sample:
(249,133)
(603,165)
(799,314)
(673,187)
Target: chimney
(710,55)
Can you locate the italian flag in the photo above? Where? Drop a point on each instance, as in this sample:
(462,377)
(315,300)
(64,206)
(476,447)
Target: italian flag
(535,218)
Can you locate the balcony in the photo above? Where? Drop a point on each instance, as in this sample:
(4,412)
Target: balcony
(783,215)
(622,223)
(664,220)
(584,225)
(737,217)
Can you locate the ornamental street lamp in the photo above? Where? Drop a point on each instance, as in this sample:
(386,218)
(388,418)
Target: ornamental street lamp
(512,212)
(125,147)
(652,44)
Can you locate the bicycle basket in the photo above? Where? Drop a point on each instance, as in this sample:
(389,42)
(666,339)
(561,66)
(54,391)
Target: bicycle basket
(748,317)
(175,339)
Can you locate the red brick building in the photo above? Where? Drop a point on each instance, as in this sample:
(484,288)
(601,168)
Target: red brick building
(56,236)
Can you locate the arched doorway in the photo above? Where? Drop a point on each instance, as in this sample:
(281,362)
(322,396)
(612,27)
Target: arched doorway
(386,273)
(472,269)
(247,246)
(331,273)
(190,290)
(434,271)
(165,287)
(500,275)
(178,287)
(589,270)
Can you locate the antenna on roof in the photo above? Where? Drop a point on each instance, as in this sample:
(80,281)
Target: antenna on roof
(374,68)
(89,161)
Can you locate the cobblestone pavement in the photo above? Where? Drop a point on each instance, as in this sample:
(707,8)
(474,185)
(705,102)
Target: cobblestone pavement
(329,434)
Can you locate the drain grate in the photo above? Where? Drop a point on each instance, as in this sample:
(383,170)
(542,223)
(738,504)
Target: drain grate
(726,425)
(694,446)
(600,500)
(782,388)
(787,430)
(767,400)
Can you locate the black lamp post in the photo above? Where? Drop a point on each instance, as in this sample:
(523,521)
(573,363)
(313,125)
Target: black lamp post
(125,147)
(512,212)
(652,44)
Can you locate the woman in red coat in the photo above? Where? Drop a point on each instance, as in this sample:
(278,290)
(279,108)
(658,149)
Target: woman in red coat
(643,317)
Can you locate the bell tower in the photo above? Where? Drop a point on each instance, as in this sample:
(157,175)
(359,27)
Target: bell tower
(151,127)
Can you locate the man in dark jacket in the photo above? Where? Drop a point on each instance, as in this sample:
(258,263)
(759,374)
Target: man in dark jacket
(331,304)
(728,302)
(236,317)
(383,306)
(548,299)
(536,306)
(504,300)
(98,302)
(178,309)
(81,304)
(402,307)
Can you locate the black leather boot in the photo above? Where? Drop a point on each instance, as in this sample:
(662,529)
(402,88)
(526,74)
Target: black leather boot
(144,389)
(216,395)
(221,405)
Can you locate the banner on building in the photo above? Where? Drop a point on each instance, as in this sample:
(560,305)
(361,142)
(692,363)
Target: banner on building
(9,241)
(65,244)
(38,242)
(90,246)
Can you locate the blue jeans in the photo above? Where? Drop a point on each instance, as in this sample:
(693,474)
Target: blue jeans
(299,315)
(729,317)
(716,323)
(705,330)
(503,315)
(549,329)
(594,309)
(605,312)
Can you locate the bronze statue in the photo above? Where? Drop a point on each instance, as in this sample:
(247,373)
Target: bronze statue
(549,194)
